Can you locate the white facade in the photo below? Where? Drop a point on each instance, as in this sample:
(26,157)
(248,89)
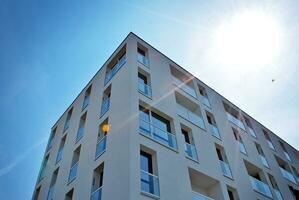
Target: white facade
(203,148)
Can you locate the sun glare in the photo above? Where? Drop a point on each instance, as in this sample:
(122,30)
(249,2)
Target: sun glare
(249,41)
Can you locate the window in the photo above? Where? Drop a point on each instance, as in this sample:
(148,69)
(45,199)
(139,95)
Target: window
(106,100)
(274,185)
(285,170)
(234,116)
(101,141)
(249,127)
(69,195)
(97,183)
(204,96)
(43,167)
(190,149)
(36,193)
(149,179)
(142,55)
(239,141)
(74,166)
(86,98)
(60,150)
(143,84)
(212,126)
(81,127)
(262,155)
(116,63)
(52,185)
(51,139)
(270,144)
(68,119)
(285,152)
(232,193)
(156,127)
(223,162)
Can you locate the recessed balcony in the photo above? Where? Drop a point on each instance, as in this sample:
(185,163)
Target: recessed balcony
(260,187)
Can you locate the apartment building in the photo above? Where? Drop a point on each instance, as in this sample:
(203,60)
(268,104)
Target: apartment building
(145,128)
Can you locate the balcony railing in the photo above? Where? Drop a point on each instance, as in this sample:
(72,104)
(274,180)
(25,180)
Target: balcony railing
(49,146)
(242,147)
(101,146)
(59,154)
(97,194)
(264,161)
(186,88)
(51,192)
(143,60)
(198,196)
(115,69)
(105,106)
(149,183)
(235,121)
(144,89)
(66,125)
(277,194)
(287,156)
(251,131)
(225,169)
(191,151)
(206,101)
(287,175)
(73,172)
(260,187)
(85,102)
(80,133)
(214,130)
(190,116)
(270,144)
(149,130)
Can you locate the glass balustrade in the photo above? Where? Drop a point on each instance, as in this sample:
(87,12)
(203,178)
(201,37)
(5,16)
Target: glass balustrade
(97,194)
(101,146)
(186,88)
(115,69)
(235,121)
(260,187)
(190,116)
(251,131)
(287,156)
(270,145)
(214,130)
(105,106)
(85,102)
(225,169)
(149,183)
(264,161)
(191,151)
(59,155)
(143,60)
(242,147)
(287,175)
(278,195)
(157,134)
(73,172)
(198,196)
(206,101)
(80,133)
(144,89)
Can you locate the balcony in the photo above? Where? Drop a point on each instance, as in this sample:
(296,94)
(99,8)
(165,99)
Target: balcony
(59,155)
(143,60)
(277,194)
(115,69)
(191,151)
(144,89)
(264,161)
(206,101)
(225,169)
(287,175)
(186,88)
(73,172)
(260,187)
(251,131)
(287,155)
(242,147)
(101,146)
(198,196)
(97,194)
(190,116)
(51,192)
(270,145)
(214,130)
(235,121)
(105,106)
(161,136)
(149,183)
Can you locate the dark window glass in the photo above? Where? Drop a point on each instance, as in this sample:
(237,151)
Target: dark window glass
(146,162)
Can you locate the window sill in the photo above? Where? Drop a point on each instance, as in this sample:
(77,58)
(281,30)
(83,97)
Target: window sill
(150,195)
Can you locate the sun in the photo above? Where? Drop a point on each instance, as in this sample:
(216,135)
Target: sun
(249,41)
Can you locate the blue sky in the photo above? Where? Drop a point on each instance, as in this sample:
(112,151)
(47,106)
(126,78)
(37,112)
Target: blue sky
(51,49)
